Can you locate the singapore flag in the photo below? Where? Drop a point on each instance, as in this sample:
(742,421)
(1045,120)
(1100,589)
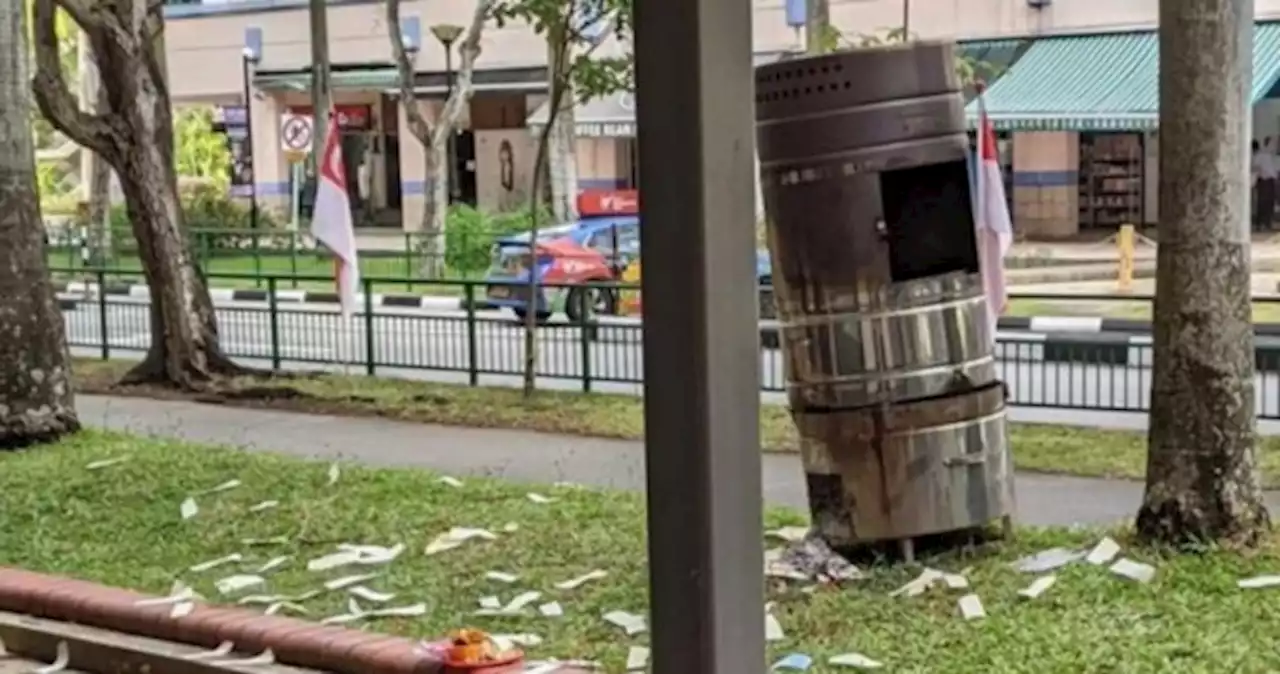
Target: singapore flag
(991,217)
(331,218)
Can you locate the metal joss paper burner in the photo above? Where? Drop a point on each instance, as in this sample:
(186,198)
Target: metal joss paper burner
(891,374)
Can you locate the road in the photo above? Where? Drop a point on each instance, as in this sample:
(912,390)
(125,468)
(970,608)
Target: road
(437,345)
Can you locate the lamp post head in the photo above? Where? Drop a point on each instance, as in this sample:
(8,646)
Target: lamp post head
(249,55)
(447,33)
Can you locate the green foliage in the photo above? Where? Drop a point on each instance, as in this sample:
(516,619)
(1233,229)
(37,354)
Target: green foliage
(201,153)
(578,27)
(470,233)
(216,220)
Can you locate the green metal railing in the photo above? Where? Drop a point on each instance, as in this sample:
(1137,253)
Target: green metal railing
(464,342)
(248,257)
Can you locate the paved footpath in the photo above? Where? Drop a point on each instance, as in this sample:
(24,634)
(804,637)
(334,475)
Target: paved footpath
(528,456)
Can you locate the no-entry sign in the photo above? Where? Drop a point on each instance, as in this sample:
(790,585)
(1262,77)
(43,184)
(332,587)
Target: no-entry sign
(296,134)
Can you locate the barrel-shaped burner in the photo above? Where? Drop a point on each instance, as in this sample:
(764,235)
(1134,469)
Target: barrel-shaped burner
(865,173)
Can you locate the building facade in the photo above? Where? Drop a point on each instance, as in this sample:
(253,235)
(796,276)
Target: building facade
(1072,91)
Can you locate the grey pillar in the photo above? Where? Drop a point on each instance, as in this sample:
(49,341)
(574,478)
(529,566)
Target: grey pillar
(701,342)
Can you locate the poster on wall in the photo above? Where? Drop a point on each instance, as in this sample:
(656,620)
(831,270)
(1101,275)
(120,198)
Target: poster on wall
(231,121)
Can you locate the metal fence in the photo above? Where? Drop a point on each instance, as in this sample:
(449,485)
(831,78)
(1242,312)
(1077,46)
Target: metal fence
(470,345)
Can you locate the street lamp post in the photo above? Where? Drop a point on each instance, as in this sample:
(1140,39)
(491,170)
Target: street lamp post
(249,58)
(448,34)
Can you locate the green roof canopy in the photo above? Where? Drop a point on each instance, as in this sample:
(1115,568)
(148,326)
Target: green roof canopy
(1100,82)
(300,80)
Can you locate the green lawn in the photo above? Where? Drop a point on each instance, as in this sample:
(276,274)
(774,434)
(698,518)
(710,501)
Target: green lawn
(121,525)
(1263,312)
(1043,448)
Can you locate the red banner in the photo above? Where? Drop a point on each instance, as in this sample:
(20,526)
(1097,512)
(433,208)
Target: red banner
(350,116)
(608,202)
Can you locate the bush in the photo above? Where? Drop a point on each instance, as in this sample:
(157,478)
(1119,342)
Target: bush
(216,220)
(469,235)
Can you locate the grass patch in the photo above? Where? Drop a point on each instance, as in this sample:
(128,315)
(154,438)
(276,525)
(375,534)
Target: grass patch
(1263,312)
(1065,450)
(121,526)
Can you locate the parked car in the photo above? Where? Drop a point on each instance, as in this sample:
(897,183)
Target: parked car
(595,249)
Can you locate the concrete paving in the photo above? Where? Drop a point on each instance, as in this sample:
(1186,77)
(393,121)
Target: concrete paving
(524,456)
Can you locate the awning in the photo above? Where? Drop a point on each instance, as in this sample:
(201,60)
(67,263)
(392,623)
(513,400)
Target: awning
(614,116)
(378,78)
(987,60)
(1100,82)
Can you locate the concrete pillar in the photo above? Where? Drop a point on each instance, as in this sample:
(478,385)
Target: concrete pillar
(701,338)
(270,169)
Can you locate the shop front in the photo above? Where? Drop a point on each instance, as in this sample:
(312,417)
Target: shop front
(1082,115)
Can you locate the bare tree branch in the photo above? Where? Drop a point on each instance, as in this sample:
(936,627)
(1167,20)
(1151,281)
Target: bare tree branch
(469,49)
(417,122)
(52,94)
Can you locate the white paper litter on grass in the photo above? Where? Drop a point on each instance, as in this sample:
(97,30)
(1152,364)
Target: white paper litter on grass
(490,603)
(551,610)
(773,629)
(263,505)
(274,563)
(214,563)
(971,607)
(1136,571)
(238,583)
(854,660)
(1105,551)
(920,584)
(789,534)
(347,581)
(189,508)
(1038,586)
(225,486)
(539,498)
(335,472)
(575,583)
(521,602)
(1048,560)
(371,555)
(289,606)
(506,642)
(222,650)
(501,577)
(1258,582)
(354,607)
(630,623)
(182,609)
(637,658)
(177,595)
(955,581)
(410,611)
(795,662)
(510,527)
(106,463)
(450,481)
(262,599)
(59,663)
(370,594)
(455,537)
(333,561)
(264,658)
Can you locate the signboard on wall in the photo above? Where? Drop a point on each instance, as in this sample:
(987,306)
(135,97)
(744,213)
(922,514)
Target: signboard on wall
(231,121)
(608,202)
(351,117)
(611,130)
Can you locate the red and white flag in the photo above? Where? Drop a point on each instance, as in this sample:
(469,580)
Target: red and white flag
(331,218)
(991,216)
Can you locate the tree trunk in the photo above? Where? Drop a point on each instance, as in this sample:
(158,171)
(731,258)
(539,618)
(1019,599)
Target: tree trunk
(136,138)
(562,155)
(97,173)
(1202,483)
(435,206)
(36,401)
